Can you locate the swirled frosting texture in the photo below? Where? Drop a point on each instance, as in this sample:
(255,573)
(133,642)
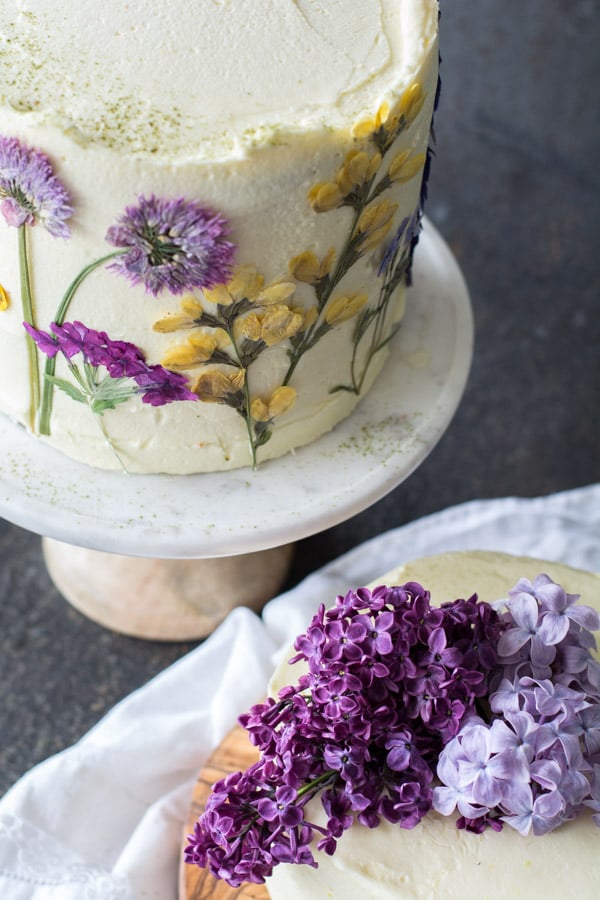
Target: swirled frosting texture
(207,79)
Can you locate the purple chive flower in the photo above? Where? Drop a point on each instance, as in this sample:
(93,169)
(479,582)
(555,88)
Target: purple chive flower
(171,244)
(156,385)
(30,192)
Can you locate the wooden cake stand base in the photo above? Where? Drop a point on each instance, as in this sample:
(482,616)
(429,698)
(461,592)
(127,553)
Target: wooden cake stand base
(164,599)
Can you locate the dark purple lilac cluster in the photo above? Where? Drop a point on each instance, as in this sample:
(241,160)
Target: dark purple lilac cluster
(390,681)
(534,762)
(156,385)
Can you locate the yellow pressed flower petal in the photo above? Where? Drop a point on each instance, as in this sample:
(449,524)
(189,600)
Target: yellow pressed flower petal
(327,263)
(357,166)
(375,215)
(324,197)
(204,342)
(173,322)
(215,386)
(259,410)
(218,295)
(223,341)
(397,163)
(275,293)
(382,115)
(305,267)
(340,309)
(374,238)
(410,168)
(374,163)
(279,323)
(364,129)
(186,356)
(237,380)
(4,299)
(309,318)
(246,282)
(411,102)
(249,327)
(192,307)
(282,400)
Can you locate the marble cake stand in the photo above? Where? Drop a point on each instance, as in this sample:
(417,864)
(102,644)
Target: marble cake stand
(166,557)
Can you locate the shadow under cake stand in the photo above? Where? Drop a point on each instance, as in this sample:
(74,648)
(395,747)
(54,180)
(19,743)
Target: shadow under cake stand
(166,557)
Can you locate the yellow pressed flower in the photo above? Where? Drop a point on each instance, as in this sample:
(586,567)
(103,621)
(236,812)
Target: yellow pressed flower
(259,410)
(404,166)
(279,323)
(375,238)
(218,387)
(4,299)
(375,216)
(325,196)
(281,400)
(249,327)
(309,317)
(306,267)
(343,308)
(353,172)
(366,127)
(198,350)
(246,282)
(219,295)
(191,310)
(270,325)
(411,102)
(275,293)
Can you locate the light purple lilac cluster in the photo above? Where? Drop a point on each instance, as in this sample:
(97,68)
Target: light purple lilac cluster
(390,681)
(156,385)
(534,761)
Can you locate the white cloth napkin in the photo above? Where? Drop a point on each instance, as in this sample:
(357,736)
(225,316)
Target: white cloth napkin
(103,819)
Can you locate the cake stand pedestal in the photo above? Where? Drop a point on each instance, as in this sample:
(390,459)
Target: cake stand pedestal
(166,557)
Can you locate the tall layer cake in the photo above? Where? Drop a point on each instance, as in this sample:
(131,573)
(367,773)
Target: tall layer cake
(208,217)
(426,743)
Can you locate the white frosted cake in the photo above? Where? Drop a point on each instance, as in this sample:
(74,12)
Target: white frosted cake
(208,216)
(505,804)
(435,859)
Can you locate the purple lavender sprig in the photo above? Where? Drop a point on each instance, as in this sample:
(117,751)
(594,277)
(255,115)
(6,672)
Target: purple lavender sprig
(156,385)
(390,680)
(171,244)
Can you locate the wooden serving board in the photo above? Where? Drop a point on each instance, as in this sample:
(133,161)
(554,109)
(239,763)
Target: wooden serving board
(233,754)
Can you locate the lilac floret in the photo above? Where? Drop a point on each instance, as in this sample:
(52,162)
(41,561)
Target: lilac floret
(172,245)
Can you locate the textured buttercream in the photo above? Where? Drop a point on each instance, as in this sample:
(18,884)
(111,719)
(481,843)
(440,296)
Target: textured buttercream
(206,79)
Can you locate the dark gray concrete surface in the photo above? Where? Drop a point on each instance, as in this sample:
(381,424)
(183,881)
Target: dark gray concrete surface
(514,191)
